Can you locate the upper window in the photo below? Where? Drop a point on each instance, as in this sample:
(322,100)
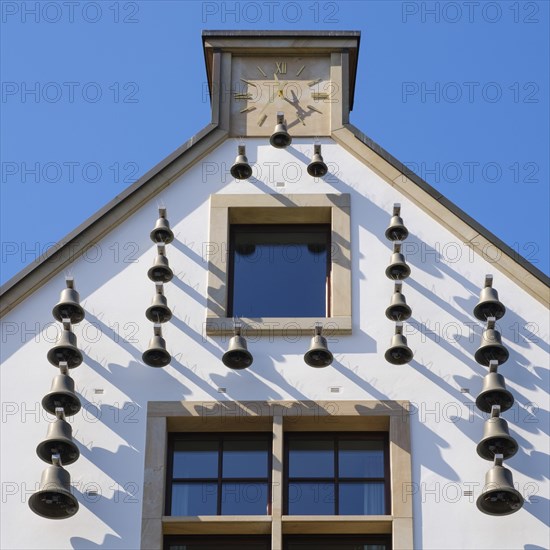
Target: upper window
(219,474)
(337,474)
(279,270)
(282,263)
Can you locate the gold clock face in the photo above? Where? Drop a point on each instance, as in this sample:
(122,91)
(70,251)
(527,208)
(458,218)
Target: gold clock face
(298,87)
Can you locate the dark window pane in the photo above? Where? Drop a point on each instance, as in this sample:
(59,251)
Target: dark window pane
(279,271)
(194,499)
(241,499)
(311,458)
(311,499)
(245,458)
(248,542)
(362,499)
(361,458)
(195,459)
(340,544)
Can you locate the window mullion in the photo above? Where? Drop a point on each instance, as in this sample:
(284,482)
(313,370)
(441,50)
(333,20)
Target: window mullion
(220,472)
(336,479)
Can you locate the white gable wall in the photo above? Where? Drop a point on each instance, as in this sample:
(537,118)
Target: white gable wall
(115,291)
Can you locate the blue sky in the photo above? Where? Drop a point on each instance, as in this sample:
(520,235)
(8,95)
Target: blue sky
(94,94)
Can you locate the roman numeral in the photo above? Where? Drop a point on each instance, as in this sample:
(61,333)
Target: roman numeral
(281,67)
(242,96)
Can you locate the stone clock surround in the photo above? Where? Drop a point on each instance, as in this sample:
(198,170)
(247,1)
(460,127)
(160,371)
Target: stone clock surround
(332,56)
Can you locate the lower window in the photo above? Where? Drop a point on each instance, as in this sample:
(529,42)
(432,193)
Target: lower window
(339,542)
(216,543)
(337,473)
(219,474)
(299,542)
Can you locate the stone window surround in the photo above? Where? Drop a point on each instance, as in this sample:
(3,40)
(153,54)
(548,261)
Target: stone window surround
(226,209)
(277,417)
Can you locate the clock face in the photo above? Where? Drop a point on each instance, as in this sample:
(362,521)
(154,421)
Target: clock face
(298,87)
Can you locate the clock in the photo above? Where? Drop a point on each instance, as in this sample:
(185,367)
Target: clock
(298,87)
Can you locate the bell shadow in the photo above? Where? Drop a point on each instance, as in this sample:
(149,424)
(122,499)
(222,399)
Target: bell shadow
(539,507)
(114,464)
(193,378)
(191,292)
(109,511)
(358,381)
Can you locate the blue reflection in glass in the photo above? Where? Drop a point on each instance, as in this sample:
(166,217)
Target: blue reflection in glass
(244,499)
(245,458)
(280,271)
(194,499)
(312,499)
(311,458)
(362,499)
(361,458)
(195,459)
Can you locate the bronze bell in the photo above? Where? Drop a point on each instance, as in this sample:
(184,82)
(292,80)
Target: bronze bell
(69,306)
(280,138)
(241,170)
(496,438)
(59,440)
(491,347)
(160,272)
(158,311)
(156,355)
(489,305)
(494,391)
(398,310)
(398,353)
(398,268)
(396,231)
(317,167)
(54,499)
(318,355)
(499,497)
(162,232)
(65,349)
(62,394)
(237,356)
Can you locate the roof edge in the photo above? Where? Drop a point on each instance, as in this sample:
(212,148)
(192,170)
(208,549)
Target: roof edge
(70,247)
(449,205)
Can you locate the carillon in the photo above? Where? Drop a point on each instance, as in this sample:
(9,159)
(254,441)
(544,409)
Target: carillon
(317,167)
(280,138)
(54,499)
(240,169)
(498,498)
(237,356)
(398,311)
(318,355)
(159,312)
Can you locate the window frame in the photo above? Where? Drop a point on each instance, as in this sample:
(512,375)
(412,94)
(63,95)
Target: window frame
(336,436)
(277,418)
(229,209)
(220,437)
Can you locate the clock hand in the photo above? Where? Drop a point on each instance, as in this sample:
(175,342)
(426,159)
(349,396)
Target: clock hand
(271,100)
(279,86)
